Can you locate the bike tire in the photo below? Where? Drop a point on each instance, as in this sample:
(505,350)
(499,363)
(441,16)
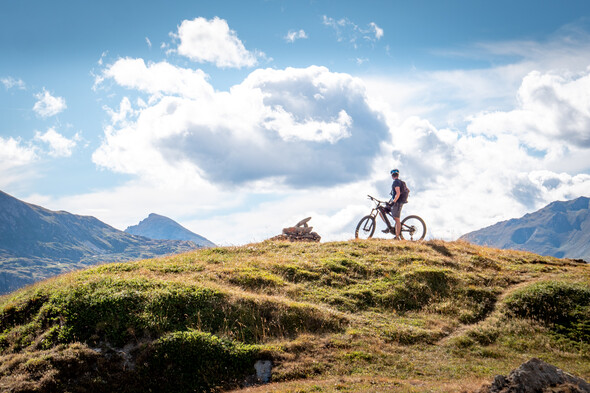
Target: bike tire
(415,226)
(365,228)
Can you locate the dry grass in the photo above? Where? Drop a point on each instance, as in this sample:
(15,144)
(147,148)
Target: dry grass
(357,316)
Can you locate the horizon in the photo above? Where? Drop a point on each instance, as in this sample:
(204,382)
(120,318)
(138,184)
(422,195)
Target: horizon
(238,119)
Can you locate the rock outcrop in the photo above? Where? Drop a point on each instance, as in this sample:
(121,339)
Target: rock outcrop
(301,232)
(536,376)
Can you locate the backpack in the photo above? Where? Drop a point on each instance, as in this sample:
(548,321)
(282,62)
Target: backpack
(404,192)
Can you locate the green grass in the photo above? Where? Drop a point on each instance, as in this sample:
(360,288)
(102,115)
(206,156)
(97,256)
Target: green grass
(368,315)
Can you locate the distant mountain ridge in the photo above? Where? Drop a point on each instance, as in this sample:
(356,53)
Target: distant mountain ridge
(160,227)
(36,243)
(560,229)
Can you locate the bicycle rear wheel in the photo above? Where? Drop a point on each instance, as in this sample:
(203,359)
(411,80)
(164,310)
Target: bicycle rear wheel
(365,228)
(413,228)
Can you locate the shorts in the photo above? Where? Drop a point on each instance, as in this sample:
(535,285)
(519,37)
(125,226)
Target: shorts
(396,209)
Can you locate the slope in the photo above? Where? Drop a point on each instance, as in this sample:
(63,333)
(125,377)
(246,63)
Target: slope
(156,226)
(560,229)
(358,316)
(37,243)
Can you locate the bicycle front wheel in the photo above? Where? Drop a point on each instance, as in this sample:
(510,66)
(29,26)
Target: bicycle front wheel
(413,228)
(365,228)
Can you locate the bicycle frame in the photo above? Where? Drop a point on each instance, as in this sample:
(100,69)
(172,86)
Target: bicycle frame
(380,207)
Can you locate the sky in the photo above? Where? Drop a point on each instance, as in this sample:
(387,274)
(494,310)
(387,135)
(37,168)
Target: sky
(239,118)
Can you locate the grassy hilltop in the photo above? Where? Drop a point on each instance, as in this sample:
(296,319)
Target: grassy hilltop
(357,316)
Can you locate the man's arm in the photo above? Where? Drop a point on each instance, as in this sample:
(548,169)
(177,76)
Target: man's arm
(397,194)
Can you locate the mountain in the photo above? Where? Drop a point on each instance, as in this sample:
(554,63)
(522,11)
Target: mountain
(164,228)
(560,229)
(36,243)
(356,316)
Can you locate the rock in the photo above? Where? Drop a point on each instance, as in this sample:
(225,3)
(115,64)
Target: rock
(536,376)
(263,373)
(263,370)
(301,232)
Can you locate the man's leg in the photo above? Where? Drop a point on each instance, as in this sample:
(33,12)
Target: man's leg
(396,213)
(398,227)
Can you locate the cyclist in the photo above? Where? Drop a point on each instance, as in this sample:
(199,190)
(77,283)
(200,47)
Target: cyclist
(395,206)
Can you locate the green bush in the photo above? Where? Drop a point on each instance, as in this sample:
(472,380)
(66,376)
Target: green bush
(416,289)
(562,306)
(255,279)
(477,302)
(296,274)
(193,361)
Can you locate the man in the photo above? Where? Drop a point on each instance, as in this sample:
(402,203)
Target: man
(396,203)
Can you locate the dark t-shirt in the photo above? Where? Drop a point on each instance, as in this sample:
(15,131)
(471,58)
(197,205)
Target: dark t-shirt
(396,183)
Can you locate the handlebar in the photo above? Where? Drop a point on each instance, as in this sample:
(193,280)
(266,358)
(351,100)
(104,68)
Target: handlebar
(376,200)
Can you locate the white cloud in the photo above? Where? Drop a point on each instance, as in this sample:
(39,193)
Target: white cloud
(59,145)
(10,82)
(552,114)
(13,153)
(124,113)
(213,41)
(15,158)
(148,42)
(293,35)
(377,30)
(48,105)
(299,127)
(158,78)
(348,31)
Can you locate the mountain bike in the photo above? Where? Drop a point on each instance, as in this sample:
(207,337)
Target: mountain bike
(413,227)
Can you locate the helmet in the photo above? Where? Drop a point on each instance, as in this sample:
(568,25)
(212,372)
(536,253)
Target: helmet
(394,171)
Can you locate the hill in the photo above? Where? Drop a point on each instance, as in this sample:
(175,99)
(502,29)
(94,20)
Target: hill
(357,316)
(560,229)
(159,227)
(36,243)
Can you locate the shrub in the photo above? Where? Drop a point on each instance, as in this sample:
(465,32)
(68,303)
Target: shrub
(562,306)
(254,279)
(479,301)
(193,361)
(414,290)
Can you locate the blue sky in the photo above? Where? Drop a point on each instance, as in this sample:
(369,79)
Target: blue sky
(238,118)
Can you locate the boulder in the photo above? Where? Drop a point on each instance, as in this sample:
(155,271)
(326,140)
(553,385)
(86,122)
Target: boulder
(536,376)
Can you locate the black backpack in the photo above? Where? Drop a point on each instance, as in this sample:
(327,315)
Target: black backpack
(404,192)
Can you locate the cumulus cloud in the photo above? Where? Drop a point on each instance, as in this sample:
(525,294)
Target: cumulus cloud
(158,78)
(297,127)
(212,41)
(14,158)
(48,105)
(10,82)
(293,35)
(124,113)
(553,110)
(59,145)
(13,153)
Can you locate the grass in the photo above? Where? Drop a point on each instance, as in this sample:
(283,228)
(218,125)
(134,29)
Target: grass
(357,316)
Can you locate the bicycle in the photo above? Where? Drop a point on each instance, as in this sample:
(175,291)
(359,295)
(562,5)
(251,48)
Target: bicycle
(413,226)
